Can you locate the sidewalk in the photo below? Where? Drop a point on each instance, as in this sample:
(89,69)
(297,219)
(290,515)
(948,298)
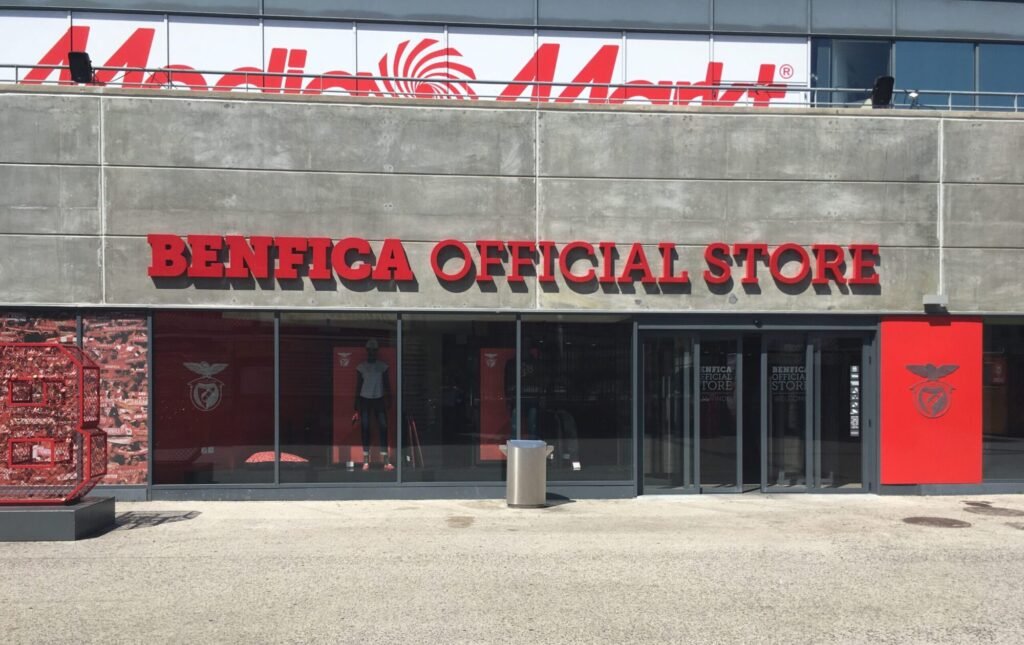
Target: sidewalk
(712,569)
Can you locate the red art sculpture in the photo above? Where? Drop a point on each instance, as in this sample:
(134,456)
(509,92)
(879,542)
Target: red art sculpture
(52,450)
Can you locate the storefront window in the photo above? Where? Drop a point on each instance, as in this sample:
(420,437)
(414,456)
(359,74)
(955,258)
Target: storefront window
(1003,388)
(213,380)
(338,398)
(458,384)
(577,394)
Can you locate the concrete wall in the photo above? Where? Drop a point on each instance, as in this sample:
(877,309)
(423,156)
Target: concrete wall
(86,174)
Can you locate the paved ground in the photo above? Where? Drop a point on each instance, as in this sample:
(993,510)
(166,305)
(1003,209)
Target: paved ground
(716,569)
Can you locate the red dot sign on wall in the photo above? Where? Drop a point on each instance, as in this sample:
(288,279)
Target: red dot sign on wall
(931,400)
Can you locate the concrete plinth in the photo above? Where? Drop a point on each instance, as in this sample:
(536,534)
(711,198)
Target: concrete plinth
(51,523)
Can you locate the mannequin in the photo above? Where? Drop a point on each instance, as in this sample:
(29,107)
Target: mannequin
(373,396)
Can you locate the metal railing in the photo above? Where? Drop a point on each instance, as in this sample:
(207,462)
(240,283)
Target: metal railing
(448,88)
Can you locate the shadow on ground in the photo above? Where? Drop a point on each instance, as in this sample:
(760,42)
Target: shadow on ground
(147,519)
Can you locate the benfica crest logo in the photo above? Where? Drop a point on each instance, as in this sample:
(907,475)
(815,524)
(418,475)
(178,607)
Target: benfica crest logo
(490,359)
(931,395)
(344,358)
(205,392)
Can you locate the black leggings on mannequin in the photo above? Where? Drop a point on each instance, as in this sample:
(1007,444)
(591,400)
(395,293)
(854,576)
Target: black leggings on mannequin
(373,408)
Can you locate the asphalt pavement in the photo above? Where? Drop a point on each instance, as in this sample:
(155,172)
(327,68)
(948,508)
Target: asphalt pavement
(714,569)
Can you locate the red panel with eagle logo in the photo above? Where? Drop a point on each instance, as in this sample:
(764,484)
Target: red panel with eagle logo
(931,400)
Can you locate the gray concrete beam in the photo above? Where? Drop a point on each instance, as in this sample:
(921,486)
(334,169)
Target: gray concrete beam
(984,215)
(50,269)
(50,200)
(742,146)
(411,207)
(49,129)
(695,212)
(297,136)
(983,151)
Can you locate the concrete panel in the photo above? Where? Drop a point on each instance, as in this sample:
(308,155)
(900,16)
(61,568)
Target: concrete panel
(610,14)
(698,212)
(49,129)
(412,207)
(128,284)
(740,146)
(984,215)
(906,274)
(985,280)
(780,16)
(290,136)
(50,199)
(508,12)
(48,269)
(998,19)
(865,17)
(984,151)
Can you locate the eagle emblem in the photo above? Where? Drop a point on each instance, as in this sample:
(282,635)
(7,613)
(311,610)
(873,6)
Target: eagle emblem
(205,392)
(932,396)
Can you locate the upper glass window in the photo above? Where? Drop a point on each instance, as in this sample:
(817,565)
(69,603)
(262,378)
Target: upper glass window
(930,65)
(1001,69)
(849,64)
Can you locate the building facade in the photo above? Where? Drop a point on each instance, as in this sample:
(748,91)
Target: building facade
(668,248)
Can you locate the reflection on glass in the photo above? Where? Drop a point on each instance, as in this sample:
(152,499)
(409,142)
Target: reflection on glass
(841,414)
(576,395)
(787,411)
(458,385)
(1000,69)
(718,412)
(667,387)
(1003,391)
(931,65)
(338,409)
(213,385)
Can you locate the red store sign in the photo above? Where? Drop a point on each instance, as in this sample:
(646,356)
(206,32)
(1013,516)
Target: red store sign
(578,262)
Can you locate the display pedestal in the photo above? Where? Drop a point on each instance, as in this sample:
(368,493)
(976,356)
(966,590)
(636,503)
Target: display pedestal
(40,523)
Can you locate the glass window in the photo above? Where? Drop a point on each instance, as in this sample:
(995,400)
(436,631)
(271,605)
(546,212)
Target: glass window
(576,394)
(1001,69)
(929,65)
(338,409)
(849,64)
(458,387)
(1003,392)
(213,388)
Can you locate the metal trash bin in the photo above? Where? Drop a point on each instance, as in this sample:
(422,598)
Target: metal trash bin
(527,482)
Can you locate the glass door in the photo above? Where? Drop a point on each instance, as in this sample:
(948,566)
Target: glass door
(815,411)
(841,416)
(666,414)
(719,414)
(692,413)
(786,415)
(775,411)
